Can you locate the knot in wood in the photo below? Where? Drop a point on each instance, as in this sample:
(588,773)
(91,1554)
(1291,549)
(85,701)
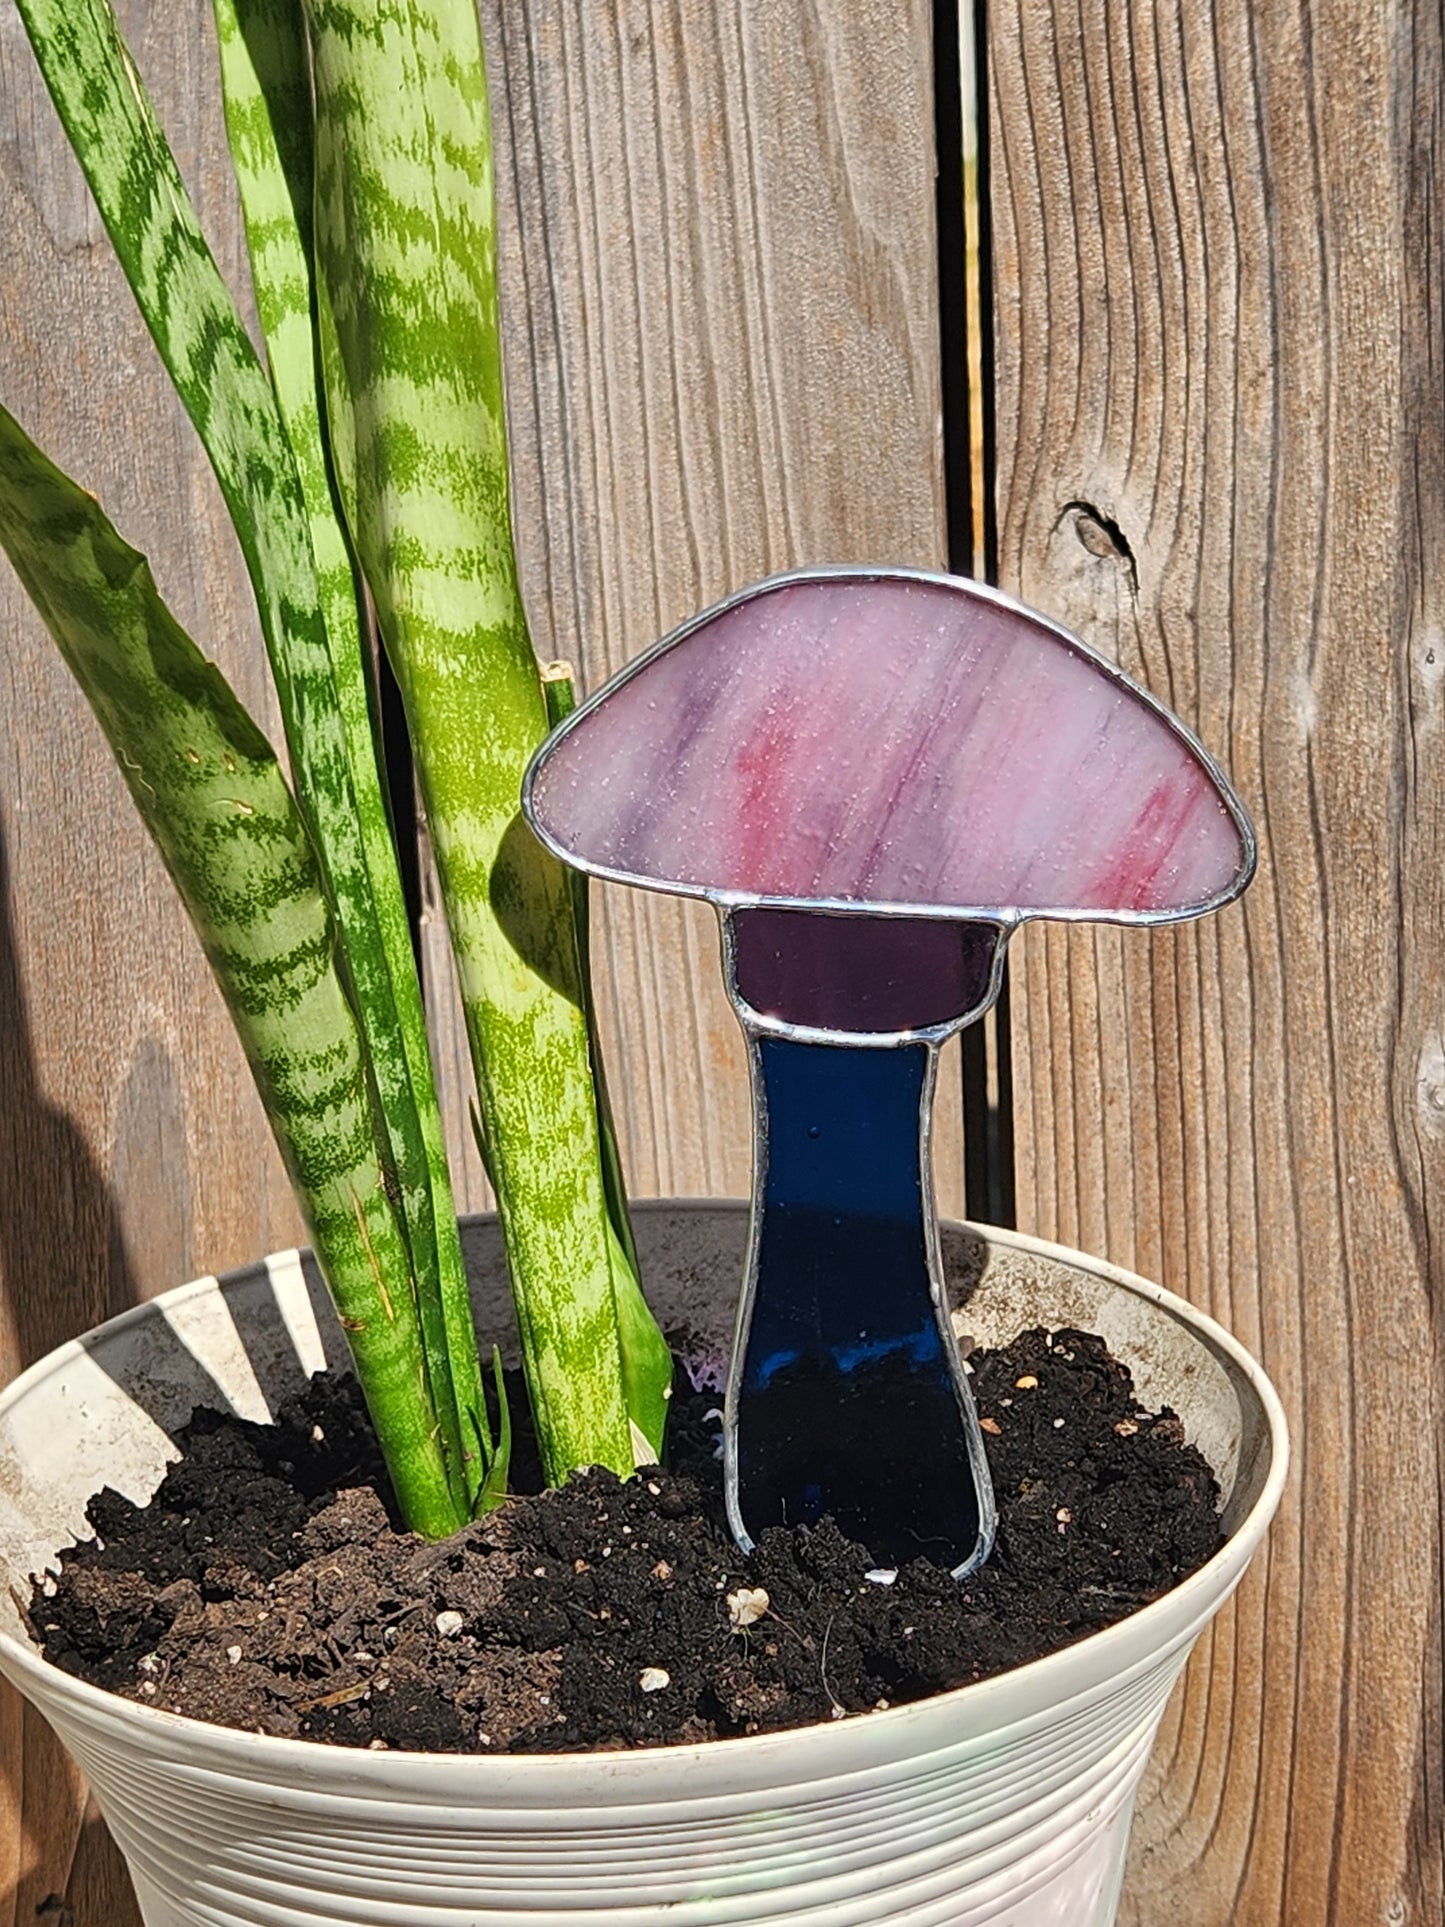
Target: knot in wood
(1101,536)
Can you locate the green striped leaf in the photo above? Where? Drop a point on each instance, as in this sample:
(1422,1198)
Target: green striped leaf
(405,248)
(266,88)
(214,367)
(646,1356)
(187,307)
(208,787)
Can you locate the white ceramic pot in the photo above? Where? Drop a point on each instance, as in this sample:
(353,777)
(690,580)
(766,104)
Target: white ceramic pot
(1007,1802)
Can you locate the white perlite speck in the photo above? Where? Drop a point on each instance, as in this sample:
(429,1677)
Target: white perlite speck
(746,1606)
(449,1624)
(653,1679)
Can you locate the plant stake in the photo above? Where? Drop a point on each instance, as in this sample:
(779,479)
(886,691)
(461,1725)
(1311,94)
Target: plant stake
(876,776)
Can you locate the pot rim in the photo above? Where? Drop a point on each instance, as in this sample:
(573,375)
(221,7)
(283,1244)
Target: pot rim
(1045,1686)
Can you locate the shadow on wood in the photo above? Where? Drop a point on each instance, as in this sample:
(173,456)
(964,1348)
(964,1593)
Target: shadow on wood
(61,1244)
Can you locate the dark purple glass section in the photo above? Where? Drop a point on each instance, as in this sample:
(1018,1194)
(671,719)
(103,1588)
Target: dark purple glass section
(861,974)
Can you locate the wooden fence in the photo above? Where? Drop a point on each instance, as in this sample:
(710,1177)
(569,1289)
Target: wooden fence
(1215,255)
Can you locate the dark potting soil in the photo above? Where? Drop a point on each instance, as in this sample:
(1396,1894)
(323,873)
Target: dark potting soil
(267,1585)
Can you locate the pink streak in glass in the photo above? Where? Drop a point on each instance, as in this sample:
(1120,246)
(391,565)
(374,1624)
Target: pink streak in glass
(890,741)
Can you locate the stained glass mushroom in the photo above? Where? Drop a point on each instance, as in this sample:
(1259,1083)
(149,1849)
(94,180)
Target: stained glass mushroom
(876,776)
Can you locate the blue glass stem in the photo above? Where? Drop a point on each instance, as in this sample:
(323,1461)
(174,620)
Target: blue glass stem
(847,1397)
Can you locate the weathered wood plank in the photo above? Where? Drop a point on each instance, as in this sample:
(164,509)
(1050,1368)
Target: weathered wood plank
(98,1893)
(133,1152)
(718,273)
(1220,410)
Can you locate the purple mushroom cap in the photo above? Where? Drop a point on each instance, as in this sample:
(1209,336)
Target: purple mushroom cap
(896,744)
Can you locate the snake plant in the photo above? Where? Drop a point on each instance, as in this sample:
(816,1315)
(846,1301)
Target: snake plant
(363,462)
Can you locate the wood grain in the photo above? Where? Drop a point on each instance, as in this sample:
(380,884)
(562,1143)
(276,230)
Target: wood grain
(719,287)
(133,1152)
(1218,273)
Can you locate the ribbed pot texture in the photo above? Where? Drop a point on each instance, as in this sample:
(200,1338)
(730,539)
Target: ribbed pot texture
(1005,1803)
